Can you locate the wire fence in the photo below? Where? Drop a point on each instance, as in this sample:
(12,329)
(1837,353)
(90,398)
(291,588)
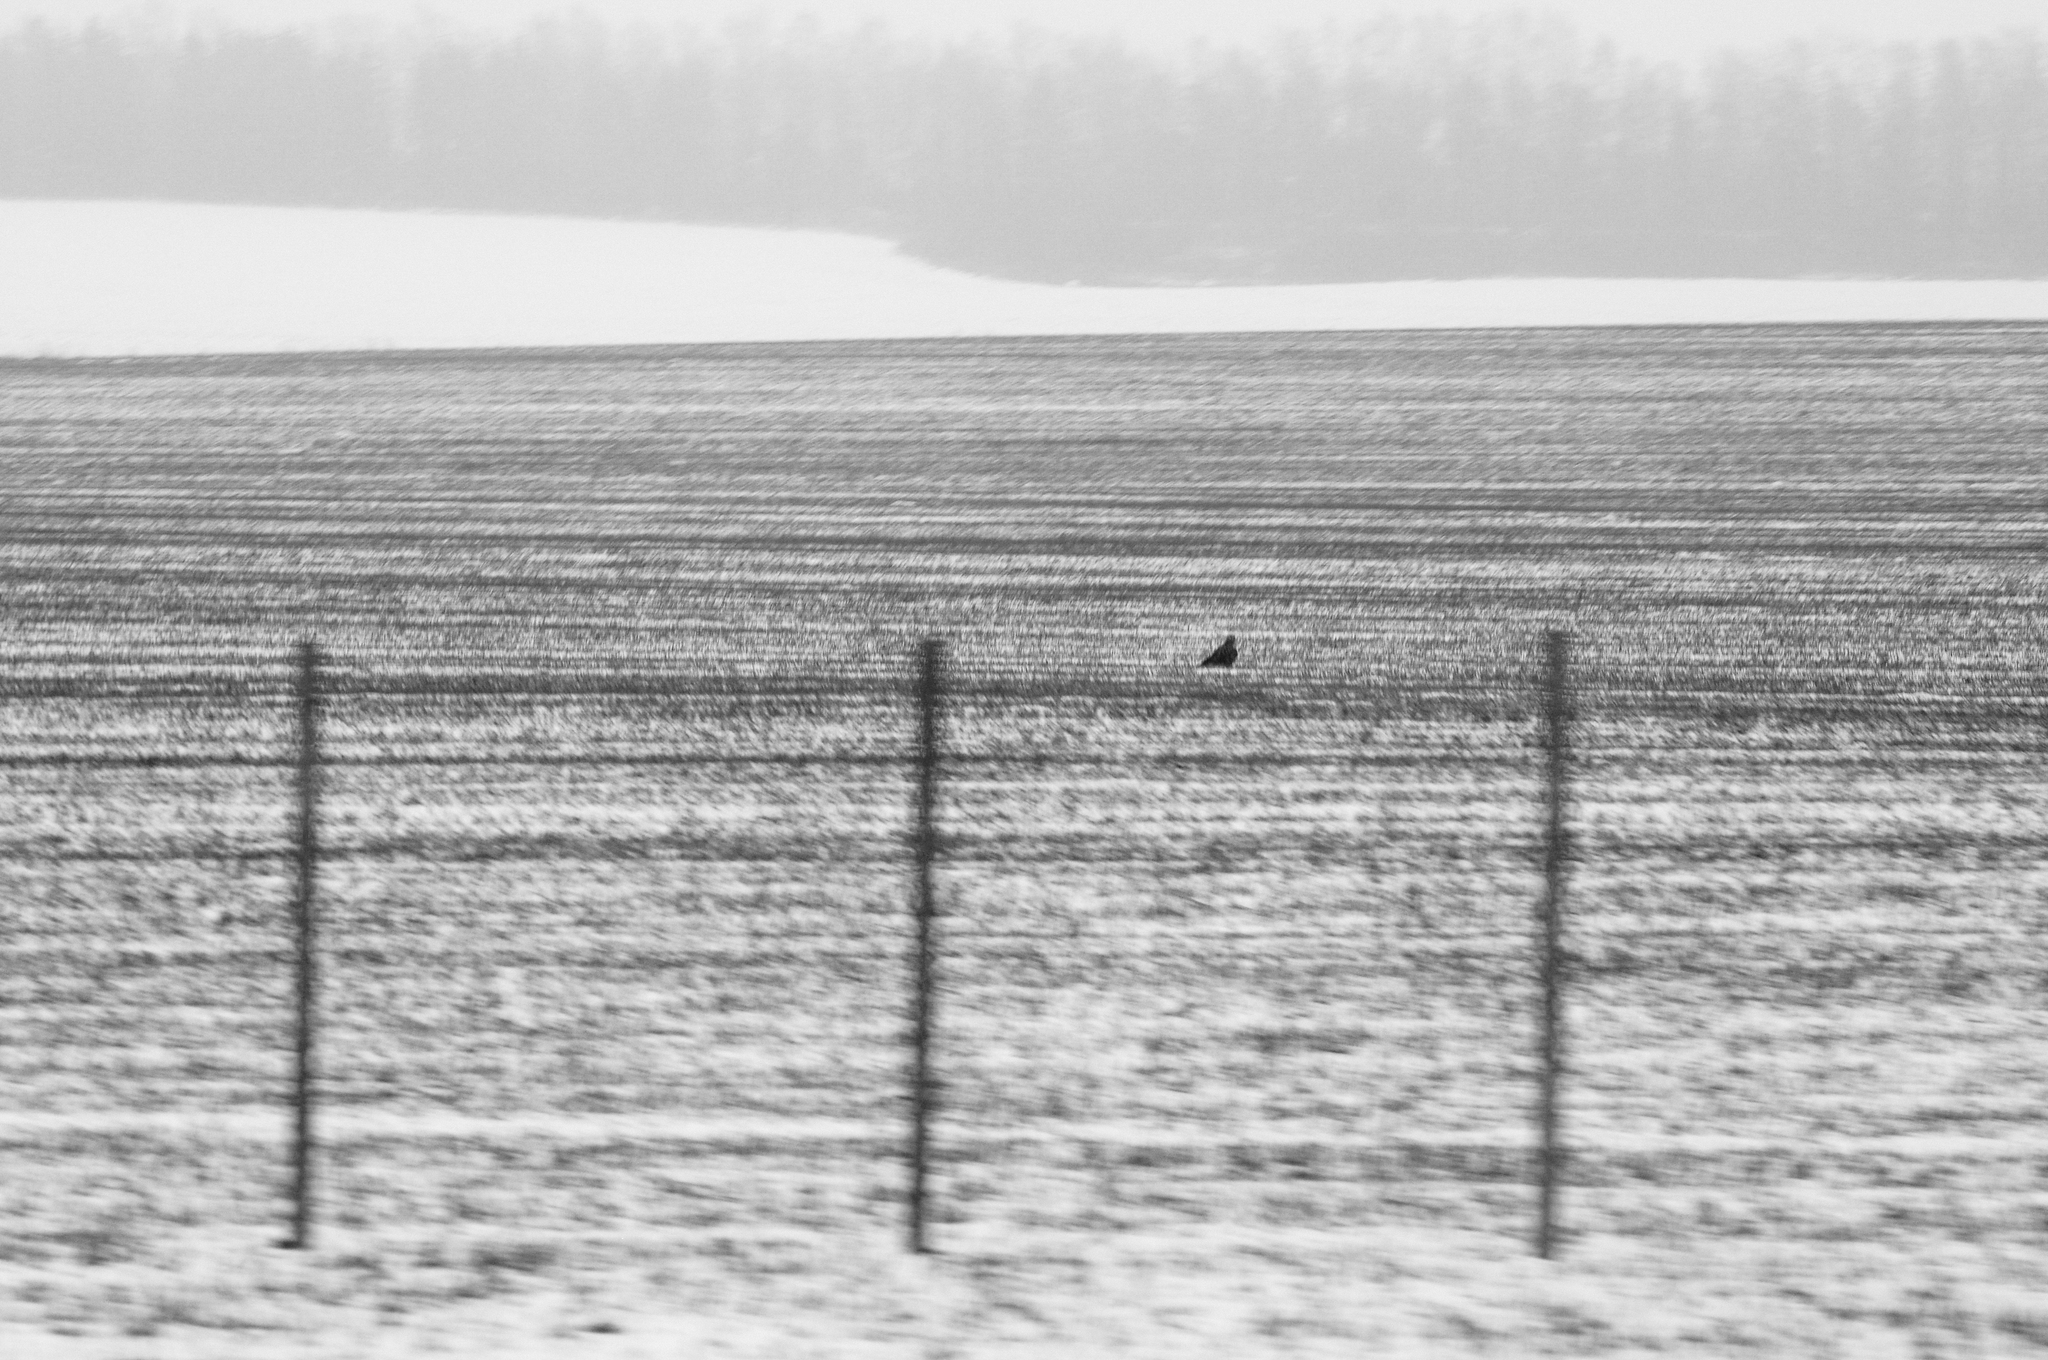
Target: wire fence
(1057,959)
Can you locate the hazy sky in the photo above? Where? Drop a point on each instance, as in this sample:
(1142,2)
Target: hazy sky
(1665,27)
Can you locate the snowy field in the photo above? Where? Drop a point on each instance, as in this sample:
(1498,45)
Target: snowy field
(1236,1013)
(148,278)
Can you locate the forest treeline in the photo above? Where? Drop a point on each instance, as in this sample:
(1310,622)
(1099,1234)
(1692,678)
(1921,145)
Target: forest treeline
(1399,150)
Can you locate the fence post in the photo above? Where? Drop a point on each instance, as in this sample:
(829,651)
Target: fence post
(1556,724)
(306,690)
(932,657)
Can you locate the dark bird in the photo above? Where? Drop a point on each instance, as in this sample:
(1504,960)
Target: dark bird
(1226,655)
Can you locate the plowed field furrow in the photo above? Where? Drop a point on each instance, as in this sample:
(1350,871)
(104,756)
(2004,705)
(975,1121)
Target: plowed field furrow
(615,801)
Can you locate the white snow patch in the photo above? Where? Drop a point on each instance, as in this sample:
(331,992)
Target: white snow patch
(109,278)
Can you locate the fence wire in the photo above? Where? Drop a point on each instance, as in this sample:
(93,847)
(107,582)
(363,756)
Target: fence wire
(635,957)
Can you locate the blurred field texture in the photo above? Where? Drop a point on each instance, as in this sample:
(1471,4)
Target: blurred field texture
(618,795)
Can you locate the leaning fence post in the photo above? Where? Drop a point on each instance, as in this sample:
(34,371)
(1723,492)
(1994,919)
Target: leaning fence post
(305,851)
(1556,725)
(931,658)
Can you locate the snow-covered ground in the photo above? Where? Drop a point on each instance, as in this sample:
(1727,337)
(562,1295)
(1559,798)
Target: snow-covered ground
(93,278)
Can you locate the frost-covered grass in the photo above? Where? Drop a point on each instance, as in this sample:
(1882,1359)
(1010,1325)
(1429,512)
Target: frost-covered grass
(1232,1057)
(1235,1028)
(1097,1291)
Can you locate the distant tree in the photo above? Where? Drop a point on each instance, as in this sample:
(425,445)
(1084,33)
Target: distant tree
(1391,150)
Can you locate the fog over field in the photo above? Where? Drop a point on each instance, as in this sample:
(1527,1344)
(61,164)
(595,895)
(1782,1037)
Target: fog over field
(1397,146)
(1023,679)
(1655,29)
